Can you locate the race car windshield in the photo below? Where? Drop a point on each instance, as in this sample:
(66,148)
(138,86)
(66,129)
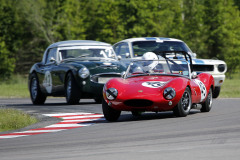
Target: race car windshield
(141,47)
(158,67)
(86,52)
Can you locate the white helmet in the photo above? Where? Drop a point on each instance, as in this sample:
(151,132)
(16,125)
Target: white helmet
(150,56)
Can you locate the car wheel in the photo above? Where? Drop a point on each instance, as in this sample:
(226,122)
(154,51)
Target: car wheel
(109,113)
(72,91)
(216,92)
(207,105)
(37,96)
(98,100)
(183,107)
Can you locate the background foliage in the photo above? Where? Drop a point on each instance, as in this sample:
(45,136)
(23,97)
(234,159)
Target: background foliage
(211,28)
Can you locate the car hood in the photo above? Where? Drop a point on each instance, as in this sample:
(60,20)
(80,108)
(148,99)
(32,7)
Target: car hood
(207,61)
(144,82)
(97,65)
(146,86)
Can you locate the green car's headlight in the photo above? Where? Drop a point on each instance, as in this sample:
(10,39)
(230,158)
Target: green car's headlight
(169,93)
(83,72)
(111,93)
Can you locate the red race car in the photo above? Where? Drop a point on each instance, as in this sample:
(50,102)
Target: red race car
(160,81)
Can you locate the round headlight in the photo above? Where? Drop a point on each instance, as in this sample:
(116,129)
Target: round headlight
(169,93)
(221,67)
(111,93)
(83,73)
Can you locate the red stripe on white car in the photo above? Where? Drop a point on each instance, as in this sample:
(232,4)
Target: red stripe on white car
(70,121)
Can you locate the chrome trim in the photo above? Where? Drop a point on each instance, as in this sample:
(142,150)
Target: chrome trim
(107,75)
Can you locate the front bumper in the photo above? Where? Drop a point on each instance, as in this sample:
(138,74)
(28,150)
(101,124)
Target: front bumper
(218,80)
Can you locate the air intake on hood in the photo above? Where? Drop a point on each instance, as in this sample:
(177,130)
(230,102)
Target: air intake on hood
(138,103)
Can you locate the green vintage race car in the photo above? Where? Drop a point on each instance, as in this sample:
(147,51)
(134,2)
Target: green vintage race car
(75,69)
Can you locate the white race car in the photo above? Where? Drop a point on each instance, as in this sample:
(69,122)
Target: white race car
(134,48)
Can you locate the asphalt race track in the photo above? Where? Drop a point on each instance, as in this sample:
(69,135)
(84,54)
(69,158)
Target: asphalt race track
(204,136)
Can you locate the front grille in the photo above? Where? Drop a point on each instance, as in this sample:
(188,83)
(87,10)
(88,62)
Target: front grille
(104,77)
(138,103)
(203,68)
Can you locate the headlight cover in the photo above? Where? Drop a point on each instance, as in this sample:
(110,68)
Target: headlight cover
(221,67)
(111,93)
(169,93)
(83,72)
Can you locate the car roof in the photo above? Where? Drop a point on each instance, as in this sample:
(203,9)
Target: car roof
(78,43)
(150,39)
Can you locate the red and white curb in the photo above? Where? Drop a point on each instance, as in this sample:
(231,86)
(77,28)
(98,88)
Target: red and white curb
(70,121)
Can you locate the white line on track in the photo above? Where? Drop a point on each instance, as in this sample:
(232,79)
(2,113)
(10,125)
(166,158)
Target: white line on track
(70,121)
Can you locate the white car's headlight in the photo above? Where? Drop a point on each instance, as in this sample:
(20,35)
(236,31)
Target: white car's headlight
(221,67)
(169,93)
(111,93)
(83,72)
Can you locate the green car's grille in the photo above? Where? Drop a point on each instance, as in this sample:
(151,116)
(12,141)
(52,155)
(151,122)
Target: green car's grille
(104,77)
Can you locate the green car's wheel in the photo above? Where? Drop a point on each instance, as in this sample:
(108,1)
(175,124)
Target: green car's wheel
(109,113)
(183,107)
(37,96)
(72,91)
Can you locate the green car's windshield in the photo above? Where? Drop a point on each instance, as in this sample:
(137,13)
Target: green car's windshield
(158,67)
(141,47)
(86,52)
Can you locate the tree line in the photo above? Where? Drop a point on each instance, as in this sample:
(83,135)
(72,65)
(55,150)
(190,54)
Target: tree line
(211,28)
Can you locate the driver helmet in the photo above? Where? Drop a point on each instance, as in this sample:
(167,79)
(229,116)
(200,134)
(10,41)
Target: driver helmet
(150,63)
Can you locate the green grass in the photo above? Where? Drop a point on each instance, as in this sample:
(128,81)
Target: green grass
(11,119)
(16,87)
(231,87)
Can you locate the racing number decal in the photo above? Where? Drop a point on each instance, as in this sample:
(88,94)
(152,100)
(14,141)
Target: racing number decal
(47,82)
(153,84)
(202,89)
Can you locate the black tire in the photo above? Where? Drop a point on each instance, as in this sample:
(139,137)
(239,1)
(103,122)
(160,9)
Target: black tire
(216,92)
(98,100)
(207,105)
(109,113)
(183,107)
(36,95)
(72,91)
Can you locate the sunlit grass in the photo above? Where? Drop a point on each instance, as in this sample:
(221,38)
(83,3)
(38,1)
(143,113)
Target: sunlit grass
(11,119)
(231,87)
(16,87)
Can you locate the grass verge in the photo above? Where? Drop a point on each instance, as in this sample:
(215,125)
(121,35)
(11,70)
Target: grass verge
(11,119)
(231,87)
(16,87)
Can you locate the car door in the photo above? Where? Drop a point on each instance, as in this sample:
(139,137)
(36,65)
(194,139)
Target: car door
(47,72)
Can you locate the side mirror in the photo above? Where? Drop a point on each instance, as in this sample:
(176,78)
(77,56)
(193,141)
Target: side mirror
(52,60)
(123,74)
(194,55)
(194,75)
(127,55)
(119,57)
